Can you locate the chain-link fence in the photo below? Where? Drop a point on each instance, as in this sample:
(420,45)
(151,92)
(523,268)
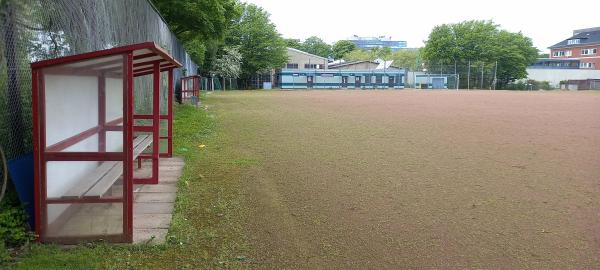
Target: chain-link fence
(34,30)
(218,83)
(476,75)
(469,75)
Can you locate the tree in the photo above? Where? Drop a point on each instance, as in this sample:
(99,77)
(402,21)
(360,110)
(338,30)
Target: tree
(481,42)
(406,58)
(294,43)
(228,65)
(259,43)
(200,25)
(383,53)
(316,46)
(514,53)
(341,48)
(359,55)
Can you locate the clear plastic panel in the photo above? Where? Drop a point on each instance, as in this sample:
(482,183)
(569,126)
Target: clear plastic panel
(80,99)
(84,219)
(164,128)
(164,146)
(164,93)
(84,179)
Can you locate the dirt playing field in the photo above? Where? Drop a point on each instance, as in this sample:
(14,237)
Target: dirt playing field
(421,180)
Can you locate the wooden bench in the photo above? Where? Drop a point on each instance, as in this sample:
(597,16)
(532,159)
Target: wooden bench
(97,183)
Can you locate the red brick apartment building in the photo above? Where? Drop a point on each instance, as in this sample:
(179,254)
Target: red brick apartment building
(582,50)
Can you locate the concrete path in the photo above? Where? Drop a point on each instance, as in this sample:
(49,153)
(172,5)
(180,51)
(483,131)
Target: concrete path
(153,204)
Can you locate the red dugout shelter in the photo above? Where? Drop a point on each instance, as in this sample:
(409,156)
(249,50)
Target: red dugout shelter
(86,138)
(190,87)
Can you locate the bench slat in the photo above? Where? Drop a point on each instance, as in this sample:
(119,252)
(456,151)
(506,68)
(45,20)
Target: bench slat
(89,180)
(137,150)
(140,143)
(102,178)
(105,182)
(139,139)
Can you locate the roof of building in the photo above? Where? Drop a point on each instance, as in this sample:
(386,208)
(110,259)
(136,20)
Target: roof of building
(590,36)
(351,63)
(388,64)
(303,52)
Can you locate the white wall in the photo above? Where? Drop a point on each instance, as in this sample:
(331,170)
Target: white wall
(71,108)
(114,98)
(295,57)
(554,76)
(114,110)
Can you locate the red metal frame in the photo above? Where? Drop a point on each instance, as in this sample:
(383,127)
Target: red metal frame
(128,147)
(170,115)
(190,87)
(55,152)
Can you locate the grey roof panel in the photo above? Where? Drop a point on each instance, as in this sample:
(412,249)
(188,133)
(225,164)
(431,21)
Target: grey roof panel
(587,38)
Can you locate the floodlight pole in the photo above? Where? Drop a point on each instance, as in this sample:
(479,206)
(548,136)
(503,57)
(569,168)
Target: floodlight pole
(457,80)
(469,77)
(455,75)
(495,72)
(481,82)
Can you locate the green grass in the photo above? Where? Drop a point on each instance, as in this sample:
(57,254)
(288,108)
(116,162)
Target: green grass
(206,230)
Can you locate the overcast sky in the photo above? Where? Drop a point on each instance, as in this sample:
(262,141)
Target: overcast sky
(545,22)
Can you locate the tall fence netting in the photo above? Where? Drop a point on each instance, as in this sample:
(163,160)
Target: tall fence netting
(34,30)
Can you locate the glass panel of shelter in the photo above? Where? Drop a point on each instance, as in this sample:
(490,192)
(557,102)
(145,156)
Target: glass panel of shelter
(144,109)
(81,115)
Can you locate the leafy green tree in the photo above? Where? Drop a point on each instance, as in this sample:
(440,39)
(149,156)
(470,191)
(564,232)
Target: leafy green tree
(514,53)
(359,55)
(316,46)
(406,58)
(259,43)
(481,42)
(200,25)
(341,48)
(383,53)
(294,43)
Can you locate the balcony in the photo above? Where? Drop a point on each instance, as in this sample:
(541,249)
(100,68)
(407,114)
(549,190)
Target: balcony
(553,63)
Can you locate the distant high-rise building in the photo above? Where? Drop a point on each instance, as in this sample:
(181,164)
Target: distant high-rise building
(368,43)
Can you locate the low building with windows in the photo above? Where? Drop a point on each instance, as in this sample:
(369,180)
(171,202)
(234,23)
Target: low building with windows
(341,79)
(308,71)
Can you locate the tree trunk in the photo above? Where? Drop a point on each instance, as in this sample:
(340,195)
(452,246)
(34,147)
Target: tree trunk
(14,111)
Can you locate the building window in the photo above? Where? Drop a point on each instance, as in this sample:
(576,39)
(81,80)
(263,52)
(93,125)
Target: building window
(568,53)
(558,53)
(311,66)
(378,79)
(589,51)
(573,41)
(292,66)
(367,79)
(586,65)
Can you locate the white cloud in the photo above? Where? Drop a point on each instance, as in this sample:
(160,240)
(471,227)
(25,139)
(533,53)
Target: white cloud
(546,22)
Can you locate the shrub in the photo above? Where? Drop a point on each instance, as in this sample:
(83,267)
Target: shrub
(529,85)
(12,229)
(13,223)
